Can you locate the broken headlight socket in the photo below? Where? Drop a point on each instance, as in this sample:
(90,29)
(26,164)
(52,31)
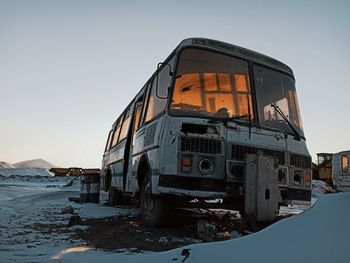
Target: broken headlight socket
(237,171)
(205,166)
(186,163)
(298,178)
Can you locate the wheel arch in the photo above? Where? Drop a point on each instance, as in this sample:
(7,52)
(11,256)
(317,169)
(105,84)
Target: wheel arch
(142,170)
(108,178)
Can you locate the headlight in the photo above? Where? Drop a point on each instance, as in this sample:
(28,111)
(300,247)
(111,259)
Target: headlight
(298,178)
(206,166)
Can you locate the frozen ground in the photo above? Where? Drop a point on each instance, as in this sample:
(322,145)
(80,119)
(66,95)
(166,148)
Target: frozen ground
(28,205)
(33,229)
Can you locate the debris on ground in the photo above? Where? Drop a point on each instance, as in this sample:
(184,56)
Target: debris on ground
(74,199)
(320,188)
(186,253)
(205,230)
(68,210)
(120,232)
(75,220)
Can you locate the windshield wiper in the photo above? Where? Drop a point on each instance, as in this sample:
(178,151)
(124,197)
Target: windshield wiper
(226,119)
(284,117)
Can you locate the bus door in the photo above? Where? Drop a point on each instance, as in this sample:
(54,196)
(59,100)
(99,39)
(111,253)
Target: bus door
(128,161)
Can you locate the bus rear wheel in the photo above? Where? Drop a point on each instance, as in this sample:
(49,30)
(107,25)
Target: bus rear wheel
(155,211)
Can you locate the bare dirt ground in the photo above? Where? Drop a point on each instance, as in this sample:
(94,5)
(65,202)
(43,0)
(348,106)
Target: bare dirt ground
(131,233)
(127,232)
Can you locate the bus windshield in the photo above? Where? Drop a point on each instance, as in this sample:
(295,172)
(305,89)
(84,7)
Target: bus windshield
(213,85)
(210,84)
(273,87)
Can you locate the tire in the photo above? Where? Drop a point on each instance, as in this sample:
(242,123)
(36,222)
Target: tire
(155,212)
(242,213)
(115,197)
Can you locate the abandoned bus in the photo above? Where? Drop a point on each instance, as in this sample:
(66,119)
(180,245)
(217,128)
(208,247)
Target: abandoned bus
(185,136)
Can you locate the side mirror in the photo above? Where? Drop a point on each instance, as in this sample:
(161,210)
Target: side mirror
(163,80)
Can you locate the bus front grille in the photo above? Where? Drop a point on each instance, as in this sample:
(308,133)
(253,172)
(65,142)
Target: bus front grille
(200,145)
(300,161)
(239,152)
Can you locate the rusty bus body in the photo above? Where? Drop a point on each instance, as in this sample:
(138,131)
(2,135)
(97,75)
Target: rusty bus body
(186,134)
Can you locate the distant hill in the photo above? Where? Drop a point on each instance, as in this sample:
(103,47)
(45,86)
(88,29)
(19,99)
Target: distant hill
(6,165)
(36,163)
(25,171)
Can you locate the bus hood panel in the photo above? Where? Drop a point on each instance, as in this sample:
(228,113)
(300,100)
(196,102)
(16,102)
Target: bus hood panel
(257,138)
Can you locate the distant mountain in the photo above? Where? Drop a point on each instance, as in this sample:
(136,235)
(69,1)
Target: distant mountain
(36,163)
(6,165)
(25,171)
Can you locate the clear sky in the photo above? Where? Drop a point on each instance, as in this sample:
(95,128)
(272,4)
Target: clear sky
(68,68)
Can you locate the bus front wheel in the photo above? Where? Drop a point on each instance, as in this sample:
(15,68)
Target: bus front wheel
(155,211)
(115,197)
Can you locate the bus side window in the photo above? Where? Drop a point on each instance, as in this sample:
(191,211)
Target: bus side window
(125,125)
(344,163)
(108,144)
(116,133)
(137,116)
(144,103)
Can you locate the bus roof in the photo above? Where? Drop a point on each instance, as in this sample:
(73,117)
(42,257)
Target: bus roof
(343,152)
(236,51)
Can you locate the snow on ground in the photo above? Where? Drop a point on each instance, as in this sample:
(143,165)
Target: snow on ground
(27,210)
(321,234)
(39,181)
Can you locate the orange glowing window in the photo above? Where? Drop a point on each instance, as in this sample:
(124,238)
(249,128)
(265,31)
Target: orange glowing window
(241,82)
(187,94)
(150,108)
(137,116)
(124,128)
(243,104)
(210,83)
(216,97)
(344,163)
(217,101)
(296,119)
(225,82)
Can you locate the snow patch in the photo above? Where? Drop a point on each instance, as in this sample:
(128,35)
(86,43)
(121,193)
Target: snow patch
(321,234)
